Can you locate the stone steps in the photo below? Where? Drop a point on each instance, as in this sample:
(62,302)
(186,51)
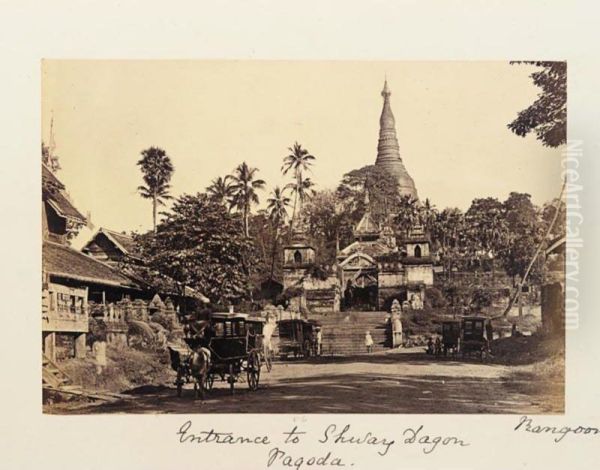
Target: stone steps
(344,333)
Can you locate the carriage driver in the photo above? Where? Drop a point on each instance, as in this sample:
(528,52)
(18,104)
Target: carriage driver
(201,331)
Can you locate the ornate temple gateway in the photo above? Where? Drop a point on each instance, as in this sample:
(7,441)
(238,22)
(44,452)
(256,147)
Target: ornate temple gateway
(373,270)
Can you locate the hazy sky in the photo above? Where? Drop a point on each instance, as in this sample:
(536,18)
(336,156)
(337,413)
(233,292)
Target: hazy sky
(211,115)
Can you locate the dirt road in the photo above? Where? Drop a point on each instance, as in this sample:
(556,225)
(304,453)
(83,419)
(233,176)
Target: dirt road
(391,382)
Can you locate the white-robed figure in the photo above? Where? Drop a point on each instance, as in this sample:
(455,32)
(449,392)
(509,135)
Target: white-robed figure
(396,323)
(268,330)
(369,341)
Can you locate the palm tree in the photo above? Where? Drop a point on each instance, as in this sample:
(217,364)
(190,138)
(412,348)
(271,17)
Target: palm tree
(427,215)
(302,190)
(407,213)
(243,191)
(220,189)
(157,170)
(277,206)
(298,160)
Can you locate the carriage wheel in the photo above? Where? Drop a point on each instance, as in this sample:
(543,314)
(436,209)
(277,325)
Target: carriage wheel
(253,370)
(231,379)
(209,380)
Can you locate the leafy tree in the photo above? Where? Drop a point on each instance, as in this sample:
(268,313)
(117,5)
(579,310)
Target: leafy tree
(524,233)
(427,215)
(277,206)
(449,234)
(548,211)
(262,235)
(330,224)
(382,187)
(486,227)
(157,171)
(244,191)
(547,116)
(302,191)
(298,161)
(220,189)
(200,245)
(407,213)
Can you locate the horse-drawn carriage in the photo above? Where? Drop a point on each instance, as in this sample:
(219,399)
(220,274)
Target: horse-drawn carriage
(225,346)
(469,335)
(474,336)
(451,332)
(297,337)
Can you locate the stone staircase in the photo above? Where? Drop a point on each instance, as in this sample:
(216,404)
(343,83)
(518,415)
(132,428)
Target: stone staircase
(343,333)
(53,376)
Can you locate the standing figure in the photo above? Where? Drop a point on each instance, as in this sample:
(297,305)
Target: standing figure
(438,346)
(369,342)
(430,346)
(319,341)
(396,324)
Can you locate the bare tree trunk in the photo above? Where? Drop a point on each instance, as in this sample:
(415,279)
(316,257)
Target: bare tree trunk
(274,252)
(520,304)
(293,215)
(154,204)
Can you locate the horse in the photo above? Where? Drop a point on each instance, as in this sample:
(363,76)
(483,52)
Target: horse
(199,366)
(195,367)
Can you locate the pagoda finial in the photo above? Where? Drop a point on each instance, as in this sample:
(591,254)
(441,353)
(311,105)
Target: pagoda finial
(50,157)
(386,90)
(367,201)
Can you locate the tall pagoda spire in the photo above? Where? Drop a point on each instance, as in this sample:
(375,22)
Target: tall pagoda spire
(388,150)
(49,156)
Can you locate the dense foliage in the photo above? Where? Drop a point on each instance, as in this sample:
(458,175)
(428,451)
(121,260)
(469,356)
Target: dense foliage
(547,115)
(200,245)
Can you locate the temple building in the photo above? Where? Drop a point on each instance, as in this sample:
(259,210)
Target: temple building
(314,289)
(374,269)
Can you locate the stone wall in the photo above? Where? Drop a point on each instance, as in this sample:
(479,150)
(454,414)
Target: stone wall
(117,315)
(419,274)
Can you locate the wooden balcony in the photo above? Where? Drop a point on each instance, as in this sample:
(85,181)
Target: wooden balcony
(64,309)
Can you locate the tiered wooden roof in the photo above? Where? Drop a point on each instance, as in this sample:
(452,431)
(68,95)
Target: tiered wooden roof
(65,262)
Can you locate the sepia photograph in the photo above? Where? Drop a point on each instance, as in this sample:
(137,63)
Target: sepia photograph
(311,237)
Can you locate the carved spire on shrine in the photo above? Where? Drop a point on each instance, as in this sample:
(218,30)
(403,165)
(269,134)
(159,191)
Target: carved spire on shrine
(49,156)
(367,228)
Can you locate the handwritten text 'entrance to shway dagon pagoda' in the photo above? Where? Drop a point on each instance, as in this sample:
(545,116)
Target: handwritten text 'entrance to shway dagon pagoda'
(332,441)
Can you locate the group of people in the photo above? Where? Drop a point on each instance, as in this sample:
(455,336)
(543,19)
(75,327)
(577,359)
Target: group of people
(434,348)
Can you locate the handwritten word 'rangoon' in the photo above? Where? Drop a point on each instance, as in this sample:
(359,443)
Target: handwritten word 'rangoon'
(526,424)
(213,437)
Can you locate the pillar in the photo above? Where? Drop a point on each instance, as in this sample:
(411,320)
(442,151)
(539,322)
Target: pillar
(50,346)
(80,347)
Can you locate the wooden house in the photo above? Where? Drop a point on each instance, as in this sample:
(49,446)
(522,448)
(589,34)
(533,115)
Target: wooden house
(71,278)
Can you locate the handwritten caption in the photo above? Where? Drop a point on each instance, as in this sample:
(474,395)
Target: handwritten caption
(285,449)
(527,425)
